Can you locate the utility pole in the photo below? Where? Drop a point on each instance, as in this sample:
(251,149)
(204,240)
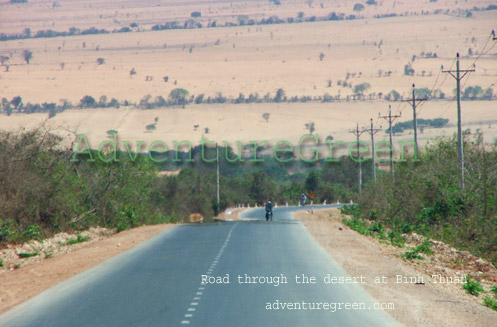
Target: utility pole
(358,133)
(390,119)
(217,177)
(372,131)
(413,103)
(460,143)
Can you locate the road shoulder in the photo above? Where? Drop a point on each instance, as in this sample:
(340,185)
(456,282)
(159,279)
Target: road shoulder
(19,285)
(423,305)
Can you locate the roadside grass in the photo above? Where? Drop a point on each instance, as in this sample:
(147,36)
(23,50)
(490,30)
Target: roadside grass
(425,248)
(79,239)
(473,287)
(376,229)
(490,303)
(24,255)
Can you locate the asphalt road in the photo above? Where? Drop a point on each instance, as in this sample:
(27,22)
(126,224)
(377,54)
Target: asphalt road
(159,283)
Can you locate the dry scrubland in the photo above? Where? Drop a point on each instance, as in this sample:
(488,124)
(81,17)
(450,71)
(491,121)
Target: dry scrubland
(244,59)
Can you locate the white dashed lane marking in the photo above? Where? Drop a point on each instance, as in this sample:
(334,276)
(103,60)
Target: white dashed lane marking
(198,295)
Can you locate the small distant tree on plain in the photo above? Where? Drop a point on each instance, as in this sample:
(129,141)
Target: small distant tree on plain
(16,102)
(3,59)
(62,65)
(102,102)
(358,7)
(393,96)
(196,14)
(266,116)
(113,104)
(27,55)
(310,127)
(156,119)
(179,96)
(100,61)
(151,127)
(18,1)
(371,2)
(321,56)
(132,72)
(88,102)
(280,95)
(361,88)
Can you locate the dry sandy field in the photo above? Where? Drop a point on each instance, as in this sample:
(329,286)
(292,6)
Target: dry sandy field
(246,59)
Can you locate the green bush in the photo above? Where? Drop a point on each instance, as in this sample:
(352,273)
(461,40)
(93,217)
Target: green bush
(472,287)
(491,303)
(494,290)
(425,248)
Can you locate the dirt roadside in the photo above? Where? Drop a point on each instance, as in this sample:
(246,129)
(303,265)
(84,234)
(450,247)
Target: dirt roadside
(35,275)
(423,305)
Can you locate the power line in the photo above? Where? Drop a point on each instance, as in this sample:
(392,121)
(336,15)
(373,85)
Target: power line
(460,145)
(390,119)
(358,133)
(412,101)
(372,131)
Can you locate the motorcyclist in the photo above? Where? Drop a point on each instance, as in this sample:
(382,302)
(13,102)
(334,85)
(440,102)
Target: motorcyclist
(303,198)
(269,211)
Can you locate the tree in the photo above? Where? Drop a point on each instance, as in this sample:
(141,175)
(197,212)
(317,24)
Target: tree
(27,55)
(196,14)
(280,95)
(358,7)
(266,116)
(132,72)
(242,19)
(408,70)
(312,182)
(17,102)
(393,96)
(88,102)
(261,187)
(178,96)
(100,61)
(310,127)
(361,88)
(321,56)
(114,103)
(102,102)
(3,59)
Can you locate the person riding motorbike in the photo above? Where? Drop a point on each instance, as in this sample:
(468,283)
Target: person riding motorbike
(269,211)
(303,198)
